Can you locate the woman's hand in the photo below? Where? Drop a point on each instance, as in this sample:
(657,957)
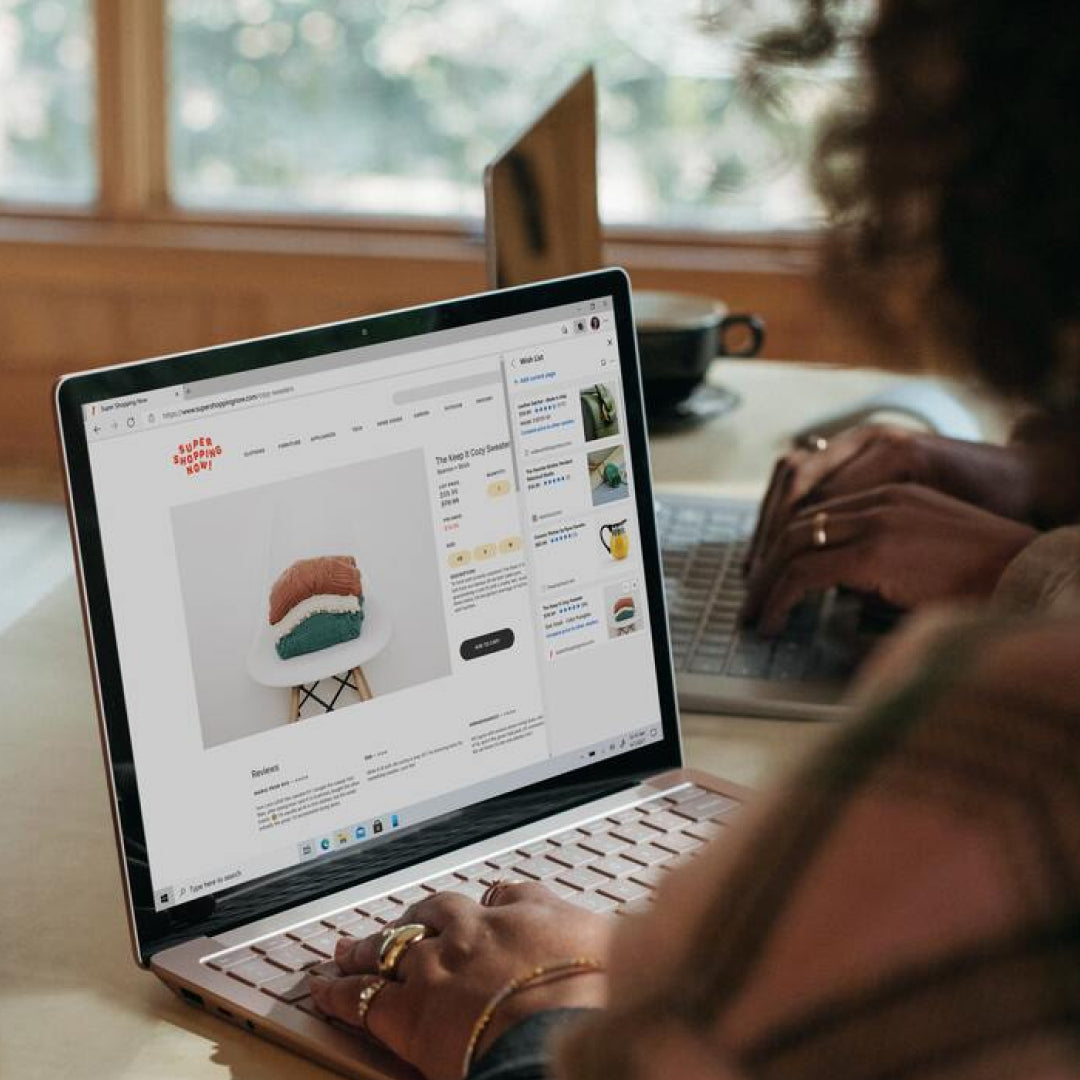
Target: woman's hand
(426,1013)
(903,543)
(996,478)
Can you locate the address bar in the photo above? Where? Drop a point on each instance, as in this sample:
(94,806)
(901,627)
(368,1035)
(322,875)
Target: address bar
(202,408)
(319,382)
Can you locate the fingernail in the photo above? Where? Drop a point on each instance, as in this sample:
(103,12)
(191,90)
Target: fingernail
(343,946)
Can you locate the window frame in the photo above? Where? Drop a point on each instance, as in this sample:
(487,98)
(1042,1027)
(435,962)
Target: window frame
(131,81)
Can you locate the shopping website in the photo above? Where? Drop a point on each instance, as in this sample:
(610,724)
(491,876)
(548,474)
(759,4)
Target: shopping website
(356,591)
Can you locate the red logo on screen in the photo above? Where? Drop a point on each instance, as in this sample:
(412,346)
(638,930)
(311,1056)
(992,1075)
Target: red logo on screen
(196,455)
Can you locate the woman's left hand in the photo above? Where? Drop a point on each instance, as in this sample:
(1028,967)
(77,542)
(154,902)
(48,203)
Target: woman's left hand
(426,1013)
(904,543)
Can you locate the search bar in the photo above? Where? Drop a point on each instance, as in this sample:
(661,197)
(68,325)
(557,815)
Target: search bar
(447,387)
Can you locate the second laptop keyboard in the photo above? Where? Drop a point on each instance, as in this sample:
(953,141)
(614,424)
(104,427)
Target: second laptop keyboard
(704,543)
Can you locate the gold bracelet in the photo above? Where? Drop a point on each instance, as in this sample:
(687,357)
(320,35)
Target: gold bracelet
(564,969)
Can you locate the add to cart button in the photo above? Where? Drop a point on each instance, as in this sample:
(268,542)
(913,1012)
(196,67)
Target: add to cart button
(494,642)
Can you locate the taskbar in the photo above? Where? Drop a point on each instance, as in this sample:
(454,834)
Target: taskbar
(352,833)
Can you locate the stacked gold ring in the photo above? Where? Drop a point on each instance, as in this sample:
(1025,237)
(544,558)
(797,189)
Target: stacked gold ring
(363,1003)
(492,891)
(820,534)
(396,941)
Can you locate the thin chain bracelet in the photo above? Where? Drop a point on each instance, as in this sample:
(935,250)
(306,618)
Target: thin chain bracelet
(539,976)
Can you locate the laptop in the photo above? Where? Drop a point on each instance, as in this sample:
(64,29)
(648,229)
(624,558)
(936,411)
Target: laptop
(541,221)
(371,615)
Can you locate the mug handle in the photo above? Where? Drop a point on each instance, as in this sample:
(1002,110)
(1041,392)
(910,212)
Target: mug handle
(607,546)
(754,324)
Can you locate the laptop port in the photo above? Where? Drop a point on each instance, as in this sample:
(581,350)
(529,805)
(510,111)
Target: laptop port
(191,997)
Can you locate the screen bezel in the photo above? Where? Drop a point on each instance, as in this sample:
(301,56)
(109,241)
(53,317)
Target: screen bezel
(152,930)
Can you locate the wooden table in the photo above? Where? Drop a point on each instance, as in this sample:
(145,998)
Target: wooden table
(72,1002)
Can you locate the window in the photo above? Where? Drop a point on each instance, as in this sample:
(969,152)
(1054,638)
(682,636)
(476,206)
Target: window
(46,101)
(395,106)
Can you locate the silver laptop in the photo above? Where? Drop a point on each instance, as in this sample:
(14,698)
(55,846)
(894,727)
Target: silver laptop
(372,614)
(542,220)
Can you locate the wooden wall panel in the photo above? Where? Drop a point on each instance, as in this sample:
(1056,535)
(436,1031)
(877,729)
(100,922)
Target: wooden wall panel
(44,327)
(233,317)
(156,322)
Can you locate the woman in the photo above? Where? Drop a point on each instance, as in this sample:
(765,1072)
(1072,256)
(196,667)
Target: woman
(909,904)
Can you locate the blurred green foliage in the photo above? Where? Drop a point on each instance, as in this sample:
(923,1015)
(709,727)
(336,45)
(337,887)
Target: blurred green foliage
(46,101)
(394,106)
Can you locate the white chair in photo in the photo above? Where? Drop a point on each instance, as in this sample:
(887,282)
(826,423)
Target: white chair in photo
(341,667)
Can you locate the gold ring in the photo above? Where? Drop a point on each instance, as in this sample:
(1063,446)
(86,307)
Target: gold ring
(496,887)
(819,534)
(363,1003)
(396,941)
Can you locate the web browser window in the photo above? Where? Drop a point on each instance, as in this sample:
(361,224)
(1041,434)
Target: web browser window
(358,591)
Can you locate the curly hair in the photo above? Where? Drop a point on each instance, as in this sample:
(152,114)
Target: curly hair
(952,181)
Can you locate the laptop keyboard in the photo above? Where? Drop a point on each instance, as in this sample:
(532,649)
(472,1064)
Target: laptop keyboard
(610,864)
(703,544)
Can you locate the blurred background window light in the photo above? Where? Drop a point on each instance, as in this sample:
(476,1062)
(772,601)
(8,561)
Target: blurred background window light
(392,107)
(47,102)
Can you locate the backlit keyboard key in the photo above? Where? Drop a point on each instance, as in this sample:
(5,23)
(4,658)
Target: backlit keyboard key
(360,927)
(704,830)
(582,878)
(679,842)
(271,943)
(443,882)
(541,847)
(635,907)
(323,943)
(480,872)
(231,959)
(664,820)
(681,795)
(538,868)
(254,972)
(649,876)
(308,930)
(474,890)
(594,901)
(636,832)
(384,909)
(705,806)
(293,957)
(623,891)
(573,855)
(614,866)
(564,892)
(340,918)
(647,854)
(604,843)
(290,987)
(412,895)
(567,836)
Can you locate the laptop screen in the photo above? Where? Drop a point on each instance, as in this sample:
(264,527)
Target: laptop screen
(361,590)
